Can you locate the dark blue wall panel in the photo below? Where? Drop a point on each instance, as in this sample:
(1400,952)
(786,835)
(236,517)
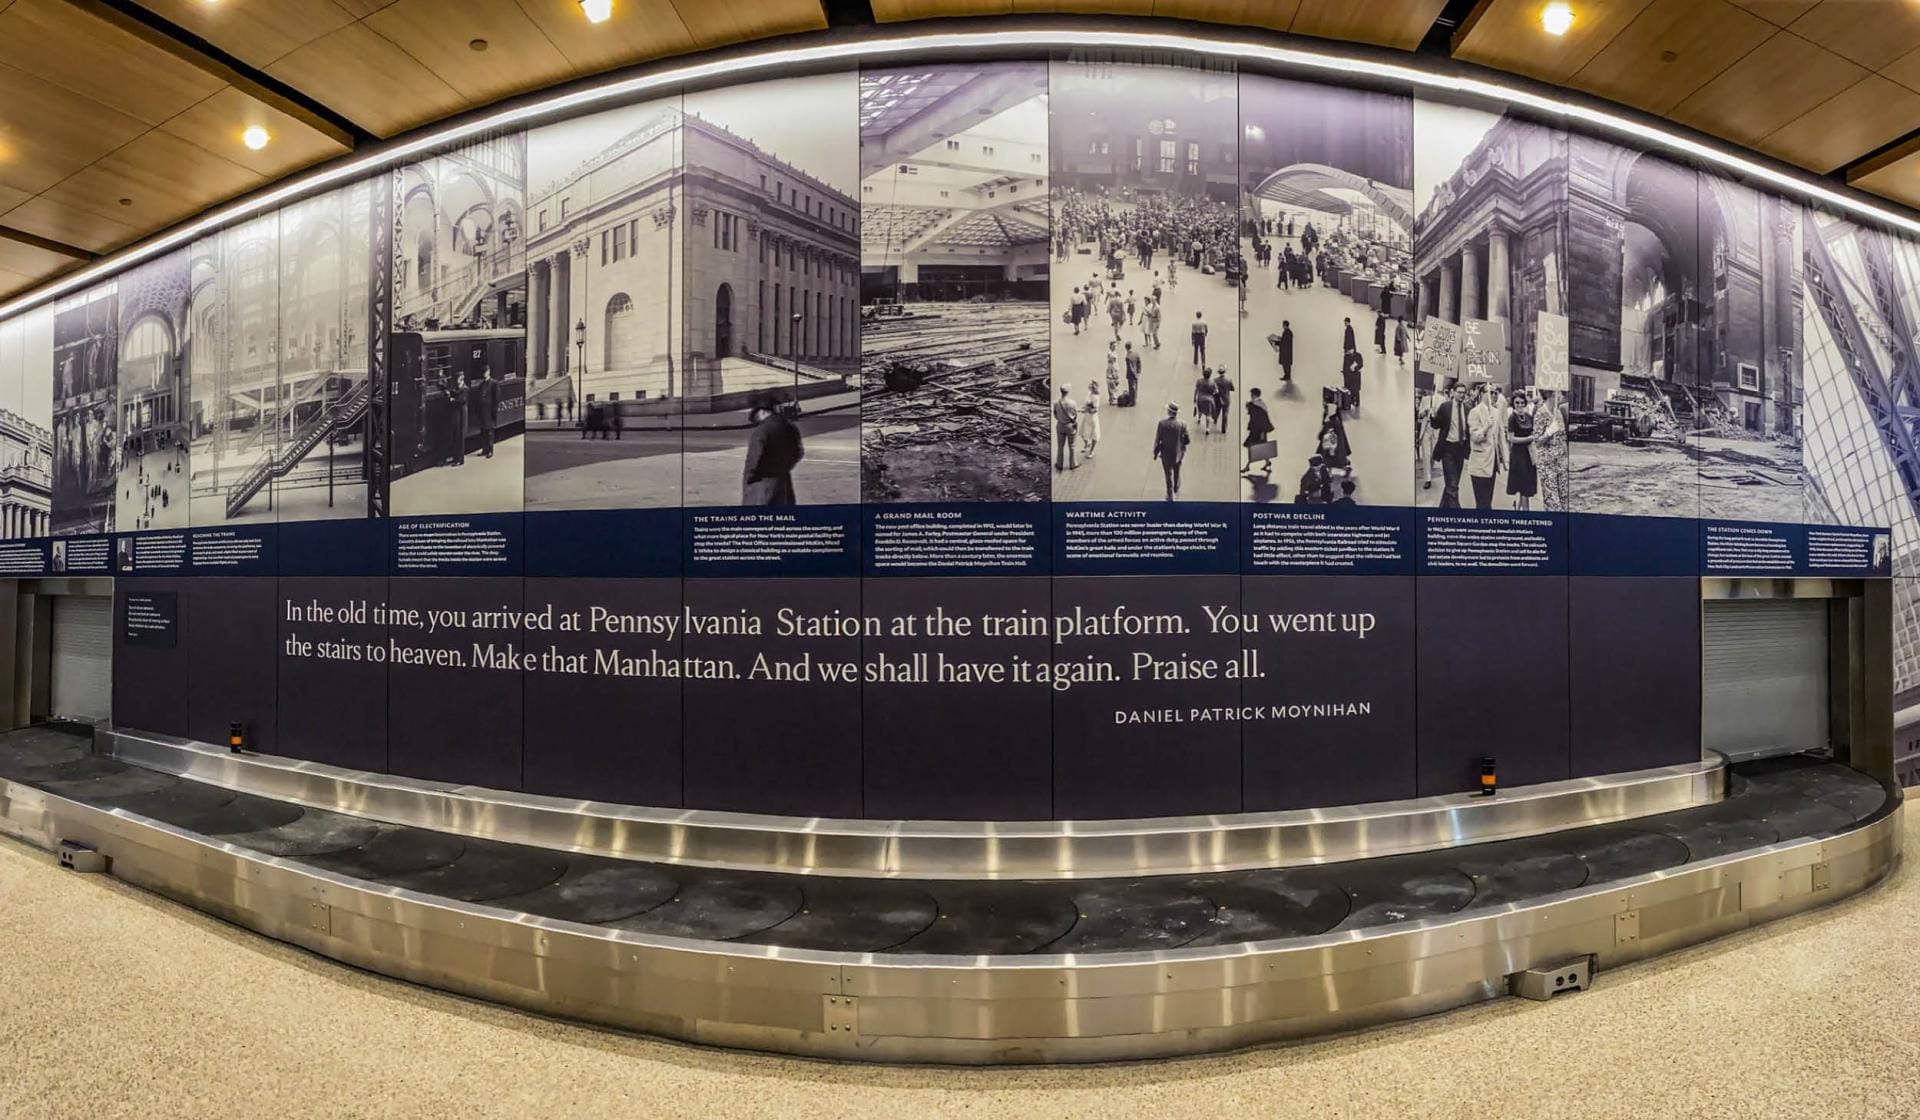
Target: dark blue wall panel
(333,709)
(974,750)
(772,746)
(1107,764)
(1492,680)
(599,735)
(1634,688)
(150,683)
(232,666)
(454,724)
(1304,740)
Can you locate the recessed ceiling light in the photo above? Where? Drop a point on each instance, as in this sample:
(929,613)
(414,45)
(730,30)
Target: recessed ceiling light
(476,44)
(1556,18)
(598,11)
(255,137)
(126,202)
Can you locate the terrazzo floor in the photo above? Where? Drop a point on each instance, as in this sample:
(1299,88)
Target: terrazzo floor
(114,1002)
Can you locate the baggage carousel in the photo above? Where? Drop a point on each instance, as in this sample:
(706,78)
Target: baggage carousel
(890,965)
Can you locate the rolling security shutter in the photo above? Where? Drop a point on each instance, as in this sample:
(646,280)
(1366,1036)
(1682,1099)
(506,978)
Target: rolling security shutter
(1765,675)
(82,657)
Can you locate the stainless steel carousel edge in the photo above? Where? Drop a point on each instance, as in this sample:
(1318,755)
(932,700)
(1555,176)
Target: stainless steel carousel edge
(961,1010)
(937,849)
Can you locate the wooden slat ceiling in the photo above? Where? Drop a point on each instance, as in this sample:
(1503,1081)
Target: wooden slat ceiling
(1818,83)
(390,65)
(1389,23)
(105,137)
(121,117)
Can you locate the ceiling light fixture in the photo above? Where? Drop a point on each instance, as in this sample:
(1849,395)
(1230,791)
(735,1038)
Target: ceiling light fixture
(598,11)
(1556,18)
(255,137)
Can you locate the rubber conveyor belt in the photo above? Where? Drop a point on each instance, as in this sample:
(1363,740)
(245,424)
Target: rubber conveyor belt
(1769,801)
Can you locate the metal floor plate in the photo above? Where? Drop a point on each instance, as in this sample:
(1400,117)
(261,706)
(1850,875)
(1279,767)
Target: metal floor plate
(1772,800)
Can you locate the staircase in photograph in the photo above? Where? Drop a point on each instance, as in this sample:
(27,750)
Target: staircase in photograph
(349,411)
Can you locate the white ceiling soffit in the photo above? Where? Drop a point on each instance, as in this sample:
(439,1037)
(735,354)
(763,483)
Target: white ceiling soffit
(936,42)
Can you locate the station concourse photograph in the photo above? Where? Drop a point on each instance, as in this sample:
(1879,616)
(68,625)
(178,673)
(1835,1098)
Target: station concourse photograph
(880,558)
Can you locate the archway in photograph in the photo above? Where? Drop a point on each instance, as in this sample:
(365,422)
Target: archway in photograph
(1660,273)
(723,321)
(622,333)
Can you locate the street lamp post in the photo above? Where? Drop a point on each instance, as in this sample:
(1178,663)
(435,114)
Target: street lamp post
(579,368)
(793,341)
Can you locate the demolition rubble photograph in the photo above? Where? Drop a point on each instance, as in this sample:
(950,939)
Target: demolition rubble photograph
(1326,368)
(1639,396)
(771,405)
(604,254)
(954,261)
(1148,282)
(1489,413)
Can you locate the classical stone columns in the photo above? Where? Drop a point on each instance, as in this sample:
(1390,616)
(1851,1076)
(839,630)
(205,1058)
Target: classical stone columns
(1499,299)
(555,336)
(539,319)
(1470,307)
(574,298)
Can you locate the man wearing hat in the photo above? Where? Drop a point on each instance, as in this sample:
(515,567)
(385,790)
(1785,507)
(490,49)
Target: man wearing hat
(1066,421)
(773,450)
(1170,441)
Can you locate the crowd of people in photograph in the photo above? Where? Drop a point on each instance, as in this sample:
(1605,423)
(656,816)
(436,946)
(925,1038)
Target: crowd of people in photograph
(1198,233)
(1323,256)
(149,491)
(1154,238)
(1481,430)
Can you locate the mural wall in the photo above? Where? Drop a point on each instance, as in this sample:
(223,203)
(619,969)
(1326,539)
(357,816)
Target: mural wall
(1079,437)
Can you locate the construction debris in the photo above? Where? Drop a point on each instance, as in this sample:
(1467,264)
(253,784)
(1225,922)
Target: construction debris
(965,380)
(1667,411)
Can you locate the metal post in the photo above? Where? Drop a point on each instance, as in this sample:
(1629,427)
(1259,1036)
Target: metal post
(579,370)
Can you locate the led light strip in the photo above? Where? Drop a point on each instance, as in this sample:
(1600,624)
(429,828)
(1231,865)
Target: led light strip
(772,62)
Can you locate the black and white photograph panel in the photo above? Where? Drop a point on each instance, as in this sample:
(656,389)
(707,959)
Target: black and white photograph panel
(457,376)
(605,247)
(26,434)
(771,308)
(1860,298)
(86,407)
(1749,432)
(233,372)
(1638,392)
(322,413)
(1148,282)
(954,258)
(152,423)
(1490,419)
(1326,362)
